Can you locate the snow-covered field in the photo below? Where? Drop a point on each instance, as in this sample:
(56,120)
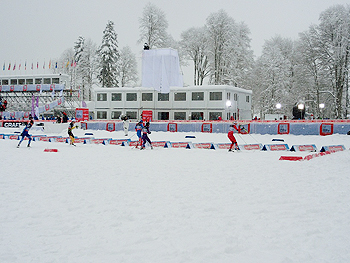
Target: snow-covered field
(105,203)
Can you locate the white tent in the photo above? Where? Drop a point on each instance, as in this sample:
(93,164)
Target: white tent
(161,69)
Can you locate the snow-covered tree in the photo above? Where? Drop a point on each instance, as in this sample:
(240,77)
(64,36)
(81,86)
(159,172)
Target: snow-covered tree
(127,67)
(275,77)
(153,27)
(230,56)
(334,43)
(108,56)
(239,57)
(221,29)
(194,44)
(86,66)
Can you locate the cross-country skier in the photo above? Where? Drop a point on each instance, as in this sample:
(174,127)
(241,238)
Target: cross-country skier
(232,137)
(25,133)
(145,132)
(70,133)
(138,129)
(126,122)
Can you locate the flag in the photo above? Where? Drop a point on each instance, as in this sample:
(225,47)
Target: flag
(37,64)
(19,66)
(9,66)
(3,68)
(56,65)
(25,65)
(44,65)
(67,64)
(14,66)
(50,64)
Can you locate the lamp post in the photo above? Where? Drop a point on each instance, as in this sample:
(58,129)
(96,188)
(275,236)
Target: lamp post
(321,106)
(301,107)
(278,107)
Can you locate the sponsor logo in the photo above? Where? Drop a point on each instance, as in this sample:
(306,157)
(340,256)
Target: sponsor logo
(252,147)
(202,145)
(306,148)
(12,124)
(281,147)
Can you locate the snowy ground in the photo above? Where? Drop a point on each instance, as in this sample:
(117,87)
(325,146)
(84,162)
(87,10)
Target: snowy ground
(104,203)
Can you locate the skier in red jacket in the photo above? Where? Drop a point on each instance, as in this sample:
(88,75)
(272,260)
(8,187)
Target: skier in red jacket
(232,137)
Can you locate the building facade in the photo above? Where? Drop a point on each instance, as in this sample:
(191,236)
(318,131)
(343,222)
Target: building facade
(181,103)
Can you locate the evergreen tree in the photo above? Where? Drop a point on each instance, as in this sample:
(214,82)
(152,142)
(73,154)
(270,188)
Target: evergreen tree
(108,57)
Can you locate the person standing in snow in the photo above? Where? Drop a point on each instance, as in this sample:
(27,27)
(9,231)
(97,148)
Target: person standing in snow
(138,129)
(145,132)
(25,133)
(126,123)
(70,133)
(232,137)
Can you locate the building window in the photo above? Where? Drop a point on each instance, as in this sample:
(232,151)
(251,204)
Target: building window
(180,96)
(147,96)
(163,115)
(101,96)
(55,81)
(131,114)
(21,81)
(228,96)
(215,115)
(131,96)
(197,95)
(116,96)
(235,97)
(197,115)
(29,81)
(47,81)
(101,114)
(247,99)
(215,95)
(115,114)
(38,81)
(179,115)
(163,96)
(5,82)
(13,81)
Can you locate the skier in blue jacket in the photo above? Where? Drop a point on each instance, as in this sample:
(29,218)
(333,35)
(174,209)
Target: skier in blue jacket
(25,133)
(138,129)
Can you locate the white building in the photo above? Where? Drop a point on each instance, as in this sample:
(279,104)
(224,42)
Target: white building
(181,103)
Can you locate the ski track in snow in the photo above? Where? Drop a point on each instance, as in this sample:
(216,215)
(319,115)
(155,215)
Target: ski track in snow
(105,203)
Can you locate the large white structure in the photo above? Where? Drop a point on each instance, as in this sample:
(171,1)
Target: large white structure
(161,69)
(181,103)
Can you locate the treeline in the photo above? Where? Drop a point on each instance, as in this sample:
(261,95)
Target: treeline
(313,69)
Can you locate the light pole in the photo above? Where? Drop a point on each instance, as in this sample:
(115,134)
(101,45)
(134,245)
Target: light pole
(321,106)
(301,107)
(278,107)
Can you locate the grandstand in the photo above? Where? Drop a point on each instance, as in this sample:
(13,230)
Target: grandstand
(24,92)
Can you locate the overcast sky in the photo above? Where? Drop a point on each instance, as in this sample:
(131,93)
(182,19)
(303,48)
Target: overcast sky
(40,30)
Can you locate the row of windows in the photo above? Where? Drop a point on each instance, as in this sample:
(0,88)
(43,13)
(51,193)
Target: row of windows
(161,115)
(29,81)
(178,96)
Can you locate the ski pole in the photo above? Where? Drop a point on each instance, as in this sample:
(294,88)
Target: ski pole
(249,134)
(132,136)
